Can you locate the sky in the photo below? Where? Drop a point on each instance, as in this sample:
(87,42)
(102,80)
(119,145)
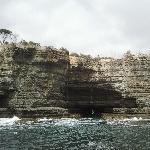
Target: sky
(95,27)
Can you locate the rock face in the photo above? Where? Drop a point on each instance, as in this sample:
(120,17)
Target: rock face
(112,85)
(33,78)
(43,81)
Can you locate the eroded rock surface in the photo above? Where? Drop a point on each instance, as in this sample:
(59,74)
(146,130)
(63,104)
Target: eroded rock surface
(43,81)
(33,78)
(110,85)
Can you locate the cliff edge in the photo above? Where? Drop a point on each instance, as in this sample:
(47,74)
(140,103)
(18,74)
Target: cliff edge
(40,81)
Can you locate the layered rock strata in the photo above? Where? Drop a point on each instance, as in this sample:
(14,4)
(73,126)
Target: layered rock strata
(32,80)
(118,85)
(44,81)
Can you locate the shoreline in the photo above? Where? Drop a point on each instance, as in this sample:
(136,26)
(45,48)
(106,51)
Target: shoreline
(105,116)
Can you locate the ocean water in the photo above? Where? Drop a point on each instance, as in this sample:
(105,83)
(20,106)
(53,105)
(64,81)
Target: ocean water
(74,134)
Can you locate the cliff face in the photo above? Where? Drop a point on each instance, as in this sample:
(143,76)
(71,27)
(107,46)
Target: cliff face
(33,78)
(118,85)
(43,81)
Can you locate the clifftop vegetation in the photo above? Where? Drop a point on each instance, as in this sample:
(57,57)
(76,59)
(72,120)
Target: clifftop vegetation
(7,37)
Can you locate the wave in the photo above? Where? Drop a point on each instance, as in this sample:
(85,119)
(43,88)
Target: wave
(66,121)
(81,121)
(44,119)
(70,121)
(8,121)
(62,121)
(126,121)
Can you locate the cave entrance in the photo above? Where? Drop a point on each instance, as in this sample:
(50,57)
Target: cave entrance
(90,100)
(90,111)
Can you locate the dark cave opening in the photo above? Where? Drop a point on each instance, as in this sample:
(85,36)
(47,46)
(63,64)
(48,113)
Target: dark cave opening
(90,100)
(86,112)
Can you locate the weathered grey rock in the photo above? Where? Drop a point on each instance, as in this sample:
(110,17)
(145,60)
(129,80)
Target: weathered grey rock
(118,85)
(32,78)
(43,81)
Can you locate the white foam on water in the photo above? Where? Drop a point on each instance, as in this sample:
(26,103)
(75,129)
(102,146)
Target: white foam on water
(8,121)
(90,121)
(44,119)
(15,133)
(126,121)
(133,119)
(66,121)
(73,121)
(91,143)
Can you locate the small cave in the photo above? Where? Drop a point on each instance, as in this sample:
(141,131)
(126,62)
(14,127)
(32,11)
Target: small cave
(89,111)
(86,112)
(90,100)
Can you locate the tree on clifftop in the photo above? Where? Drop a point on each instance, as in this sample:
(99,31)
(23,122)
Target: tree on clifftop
(6,36)
(128,54)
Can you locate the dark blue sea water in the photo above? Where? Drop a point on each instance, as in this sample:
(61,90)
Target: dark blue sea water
(74,134)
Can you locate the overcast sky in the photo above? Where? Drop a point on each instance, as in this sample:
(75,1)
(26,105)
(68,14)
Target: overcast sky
(96,27)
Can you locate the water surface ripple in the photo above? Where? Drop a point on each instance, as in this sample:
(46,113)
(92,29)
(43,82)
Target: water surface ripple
(74,134)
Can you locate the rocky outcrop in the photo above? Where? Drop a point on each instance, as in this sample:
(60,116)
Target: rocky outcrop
(44,81)
(33,77)
(117,85)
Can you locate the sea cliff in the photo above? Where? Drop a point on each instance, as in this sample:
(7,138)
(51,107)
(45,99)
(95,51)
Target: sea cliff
(40,81)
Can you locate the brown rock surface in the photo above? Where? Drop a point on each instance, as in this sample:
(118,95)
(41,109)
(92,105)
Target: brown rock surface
(44,81)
